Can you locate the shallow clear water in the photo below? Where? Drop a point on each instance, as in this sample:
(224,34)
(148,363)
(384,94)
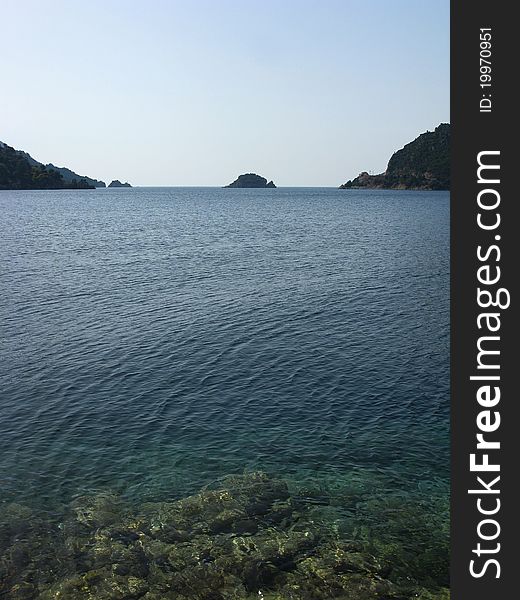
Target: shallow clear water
(154,340)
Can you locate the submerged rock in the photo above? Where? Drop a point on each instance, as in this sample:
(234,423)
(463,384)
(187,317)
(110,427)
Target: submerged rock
(97,511)
(442,594)
(245,537)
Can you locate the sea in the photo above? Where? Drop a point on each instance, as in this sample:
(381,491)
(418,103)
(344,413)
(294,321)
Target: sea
(155,341)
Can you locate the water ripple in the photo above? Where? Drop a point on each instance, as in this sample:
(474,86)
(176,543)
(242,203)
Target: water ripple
(159,339)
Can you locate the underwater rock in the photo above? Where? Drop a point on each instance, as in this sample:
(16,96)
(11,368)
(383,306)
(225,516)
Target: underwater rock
(243,538)
(337,570)
(31,559)
(14,520)
(97,585)
(396,520)
(442,594)
(237,508)
(98,510)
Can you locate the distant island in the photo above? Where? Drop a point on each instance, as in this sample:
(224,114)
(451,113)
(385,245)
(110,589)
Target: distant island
(117,184)
(423,164)
(251,180)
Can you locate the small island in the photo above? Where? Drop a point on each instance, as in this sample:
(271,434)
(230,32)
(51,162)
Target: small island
(423,164)
(116,183)
(251,180)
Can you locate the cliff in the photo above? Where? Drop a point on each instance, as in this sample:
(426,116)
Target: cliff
(423,164)
(251,180)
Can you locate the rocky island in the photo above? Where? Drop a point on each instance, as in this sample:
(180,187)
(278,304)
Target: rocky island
(251,180)
(423,164)
(117,184)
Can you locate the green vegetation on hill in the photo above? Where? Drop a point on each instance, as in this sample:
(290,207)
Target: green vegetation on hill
(69,176)
(423,164)
(19,172)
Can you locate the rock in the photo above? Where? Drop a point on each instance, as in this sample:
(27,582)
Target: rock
(237,508)
(251,180)
(117,184)
(97,585)
(442,594)
(243,538)
(98,510)
(31,553)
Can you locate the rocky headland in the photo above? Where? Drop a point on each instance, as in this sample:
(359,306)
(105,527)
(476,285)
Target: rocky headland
(19,171)
(423,164)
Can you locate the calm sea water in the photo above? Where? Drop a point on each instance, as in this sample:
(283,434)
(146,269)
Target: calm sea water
(163,337)
(154,340)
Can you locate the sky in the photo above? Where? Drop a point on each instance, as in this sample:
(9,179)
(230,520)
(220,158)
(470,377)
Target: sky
(196,92)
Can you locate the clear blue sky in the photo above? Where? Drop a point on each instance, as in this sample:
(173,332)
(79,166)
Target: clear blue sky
(195,92)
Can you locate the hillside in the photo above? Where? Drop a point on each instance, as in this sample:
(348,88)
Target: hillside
(19,171)
(423,164)
(69,176)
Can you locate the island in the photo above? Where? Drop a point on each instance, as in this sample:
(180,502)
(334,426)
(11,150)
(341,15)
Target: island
(251,180)
(423,164)
(117,184)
